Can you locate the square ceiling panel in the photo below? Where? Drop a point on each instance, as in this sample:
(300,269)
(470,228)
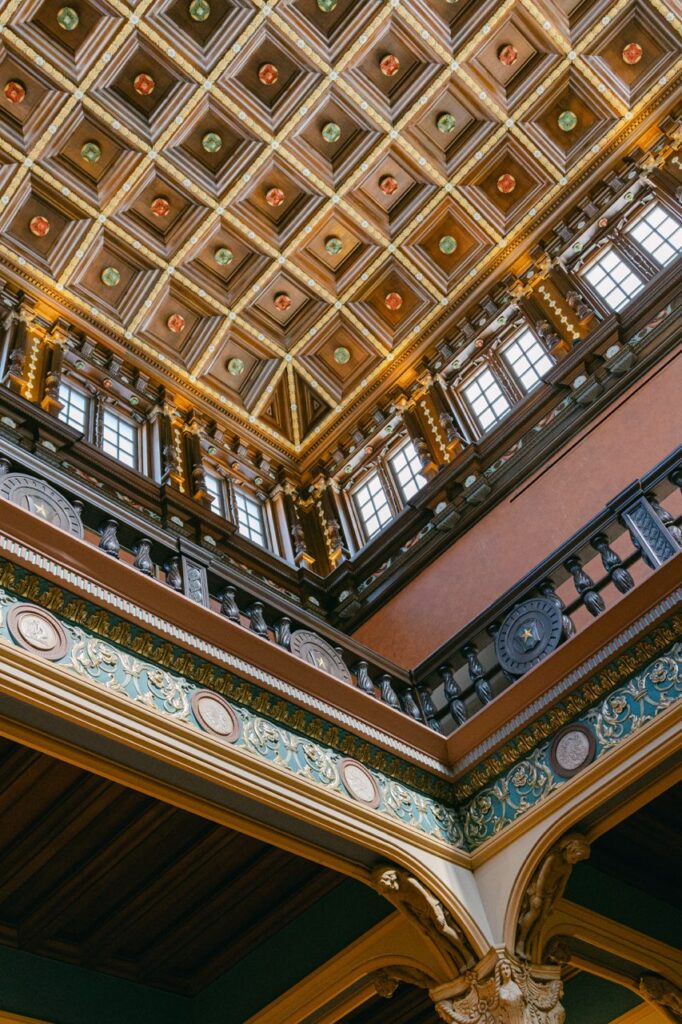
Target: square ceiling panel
(393,69)
(452,127)
(331,25)
(284,309)
(333,137)
(276,202)
(448,244)
(202,31)
(113,277)
(160,213)
(336,251)
(178,323)
(339,356)
(633,51)
(450,22)
(505,184)
(224,262)
(392,191)
(392,303)
(28,99)
(72,37)
(242,368)
(512,58)
(92,158)
(43,226)
(270,78)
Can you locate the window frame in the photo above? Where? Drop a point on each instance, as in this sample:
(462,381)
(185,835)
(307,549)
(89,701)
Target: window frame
(599,257)
(642,217)
(515,339)
(265,525)
(122,417)
(510,398)
(66,383)
(390,503)
(219,506)
(415,477)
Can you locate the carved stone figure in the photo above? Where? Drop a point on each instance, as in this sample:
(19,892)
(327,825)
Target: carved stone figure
(510,995)
(545,888)
(426,911)
(663,994)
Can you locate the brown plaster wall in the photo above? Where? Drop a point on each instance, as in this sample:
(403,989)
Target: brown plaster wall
(626,441)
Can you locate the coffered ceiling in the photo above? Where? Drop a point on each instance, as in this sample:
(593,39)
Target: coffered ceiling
(274,204)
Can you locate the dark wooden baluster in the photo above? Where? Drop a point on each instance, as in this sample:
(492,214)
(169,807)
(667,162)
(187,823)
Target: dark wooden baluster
(283,632)
(173,574)
(547,590)
(108,540)
(228,606)
(362,679)
(476,674)
(612,563)
(429,708)
(388,694)
(585,586)
(492,630)
(410,705)
(78,507)
(143,560)
(453,694)
(256,621)
(676,478)
(666,518)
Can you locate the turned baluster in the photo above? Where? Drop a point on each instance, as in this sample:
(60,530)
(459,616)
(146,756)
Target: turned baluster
(256,621)
(476,674)
(362,678)
(410,705)
(228,605)
(173,574)
(612,563)
(585,586)
(108,540)
(388,694)
(283,632)
(453,694)
(676,477)
(492,630)
(547,590)
(429,708)
(143,560)
(666,518)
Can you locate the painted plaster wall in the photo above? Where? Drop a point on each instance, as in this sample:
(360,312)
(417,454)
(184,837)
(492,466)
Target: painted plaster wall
(628,440)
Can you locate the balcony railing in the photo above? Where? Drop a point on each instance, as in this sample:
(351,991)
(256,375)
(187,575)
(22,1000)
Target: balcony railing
(629,539)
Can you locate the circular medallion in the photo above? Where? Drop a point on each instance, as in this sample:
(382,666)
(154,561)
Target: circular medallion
(312,648)
(37,631)
(274,197)
(341,355)
(530,632)
(235,367)
(632,53)
(359,782)
(572,749)
(110,276)
(506,183)
(567,120)
(144,84)
(268,74)
(282,302)
(37,497)
(389,65)
(175,323)
(446,123)
(199,10)
(160,206)
(14,91)
(92,152)
(212,142)
(215,715)
(223,256)
(331,132)
(39,226)
(393,301)
(447,244)
(333,245)
(67,18)
(388,185)
(507,55)
(327,5)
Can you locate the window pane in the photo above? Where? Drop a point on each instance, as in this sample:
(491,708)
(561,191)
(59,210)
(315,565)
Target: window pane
(250,518)
(119,438)
(74,407)
(613,280)
(371,502)
(486,399)
(214,487)
(527,360)
(659,233)
(405,466)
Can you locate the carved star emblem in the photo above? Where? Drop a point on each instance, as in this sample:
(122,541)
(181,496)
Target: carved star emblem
(528,636)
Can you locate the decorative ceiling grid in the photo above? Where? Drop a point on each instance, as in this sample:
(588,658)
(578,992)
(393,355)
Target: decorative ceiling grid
(283,196)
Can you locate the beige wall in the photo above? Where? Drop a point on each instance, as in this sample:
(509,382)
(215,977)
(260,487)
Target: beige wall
(629,438)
